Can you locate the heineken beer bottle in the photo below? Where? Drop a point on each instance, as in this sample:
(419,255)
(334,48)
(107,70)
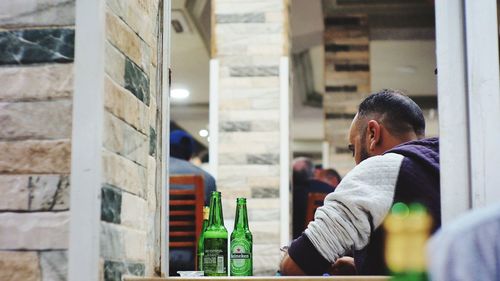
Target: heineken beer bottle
(199,254)
(241,242)
(215,240)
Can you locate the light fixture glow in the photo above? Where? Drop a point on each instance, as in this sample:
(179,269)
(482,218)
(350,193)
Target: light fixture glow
(203,133)
(179,93)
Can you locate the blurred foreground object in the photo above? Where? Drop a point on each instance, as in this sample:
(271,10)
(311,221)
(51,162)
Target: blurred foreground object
(467,248)
(407,233)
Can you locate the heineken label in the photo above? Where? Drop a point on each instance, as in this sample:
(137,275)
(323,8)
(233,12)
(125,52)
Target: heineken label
(241,257)
(215,257)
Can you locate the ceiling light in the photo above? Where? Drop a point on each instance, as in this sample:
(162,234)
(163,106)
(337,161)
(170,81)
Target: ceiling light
(203,133)
(179,93)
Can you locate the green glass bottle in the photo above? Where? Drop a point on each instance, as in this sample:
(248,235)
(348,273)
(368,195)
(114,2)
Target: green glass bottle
(407,230)
(199,254)
(215,240)
(241,242)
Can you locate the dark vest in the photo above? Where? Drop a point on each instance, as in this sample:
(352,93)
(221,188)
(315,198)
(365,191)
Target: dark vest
(418,181)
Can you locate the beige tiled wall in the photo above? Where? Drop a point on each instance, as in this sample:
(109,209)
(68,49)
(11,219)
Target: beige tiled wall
(250,37)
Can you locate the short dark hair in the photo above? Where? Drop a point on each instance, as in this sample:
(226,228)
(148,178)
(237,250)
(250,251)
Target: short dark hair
(332,173)
(398,112)
(181,145)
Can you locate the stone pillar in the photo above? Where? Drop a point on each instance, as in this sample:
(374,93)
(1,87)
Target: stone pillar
(347,82)
(249,39)
(131,155)
(37,41)
(36,78)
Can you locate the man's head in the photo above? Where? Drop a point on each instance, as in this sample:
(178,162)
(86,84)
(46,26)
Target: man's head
(303,169)
(181,145)
(330,176)
(384,120)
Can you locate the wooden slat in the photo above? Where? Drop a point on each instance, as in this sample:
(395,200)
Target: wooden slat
(182,213)
(182,202)
(182,233)
(182,244)
(181,223)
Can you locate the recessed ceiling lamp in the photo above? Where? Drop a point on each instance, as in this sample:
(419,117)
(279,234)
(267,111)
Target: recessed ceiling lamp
(203,133)
(179,94)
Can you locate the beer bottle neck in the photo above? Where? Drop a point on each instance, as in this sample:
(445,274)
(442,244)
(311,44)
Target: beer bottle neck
(216,217)
(241,220)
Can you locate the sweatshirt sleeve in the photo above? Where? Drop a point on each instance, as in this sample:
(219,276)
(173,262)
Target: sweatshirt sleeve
(349,215)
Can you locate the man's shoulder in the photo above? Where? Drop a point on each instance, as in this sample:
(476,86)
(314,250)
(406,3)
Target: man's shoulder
(388,159)
(179,166)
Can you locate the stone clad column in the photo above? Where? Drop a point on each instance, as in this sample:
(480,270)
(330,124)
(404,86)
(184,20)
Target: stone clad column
(347,82)
(249,39)
(36,78)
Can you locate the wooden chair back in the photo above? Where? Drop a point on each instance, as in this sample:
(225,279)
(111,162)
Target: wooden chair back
(314,200)
(186,211)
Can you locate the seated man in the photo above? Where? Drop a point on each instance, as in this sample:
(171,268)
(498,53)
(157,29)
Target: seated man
(181,150)
(394,164)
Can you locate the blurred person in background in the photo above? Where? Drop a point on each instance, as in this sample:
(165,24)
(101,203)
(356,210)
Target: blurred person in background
(181,151)
(303,182)
(329,176)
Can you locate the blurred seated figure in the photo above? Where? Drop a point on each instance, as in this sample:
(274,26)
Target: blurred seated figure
(181,151)
(329,176)
(303,182)
(468,248)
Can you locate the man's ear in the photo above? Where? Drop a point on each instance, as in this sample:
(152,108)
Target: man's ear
(373,134)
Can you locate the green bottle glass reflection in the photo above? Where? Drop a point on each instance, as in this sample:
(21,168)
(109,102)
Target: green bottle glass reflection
(241,242)
(199,254)
(215,240)
(407,230)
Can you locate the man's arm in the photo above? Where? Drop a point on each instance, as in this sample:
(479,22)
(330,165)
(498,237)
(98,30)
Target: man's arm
(349,215)
(289,267)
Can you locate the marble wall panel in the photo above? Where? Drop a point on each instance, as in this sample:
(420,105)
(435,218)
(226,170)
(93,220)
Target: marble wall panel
(37,82)
(241,18)
(28,46)
(54,265)
(49,192)
(124,105)
(35,120)
(111,204)
(24,157)
(114,270)
(127,41)
(15,192)
(124,140)
(19,266)
(123,173)
(52,229)
(35,13)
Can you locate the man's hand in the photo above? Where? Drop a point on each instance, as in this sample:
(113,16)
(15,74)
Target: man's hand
(289,267)
(344,266)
